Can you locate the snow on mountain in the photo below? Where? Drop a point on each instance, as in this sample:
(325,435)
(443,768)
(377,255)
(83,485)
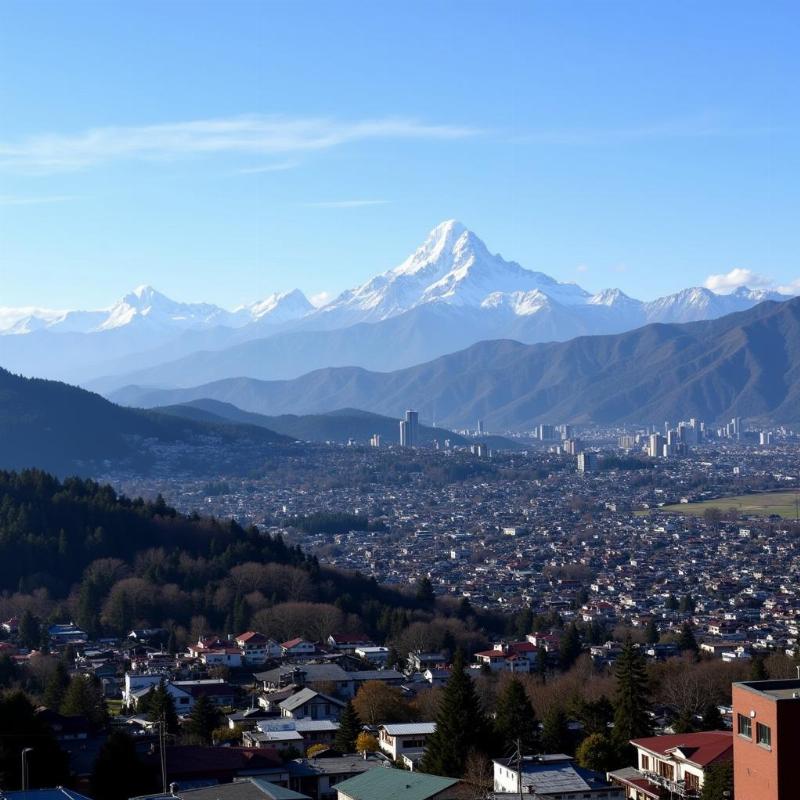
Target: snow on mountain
(452,266)
(279,307)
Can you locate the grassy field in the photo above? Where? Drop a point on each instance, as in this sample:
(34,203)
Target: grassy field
(782,503)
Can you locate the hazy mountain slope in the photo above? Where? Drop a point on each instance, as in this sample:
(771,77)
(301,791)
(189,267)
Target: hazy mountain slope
(746,364)
(62,428)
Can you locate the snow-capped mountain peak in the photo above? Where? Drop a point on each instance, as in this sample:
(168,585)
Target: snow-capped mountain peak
(280,307)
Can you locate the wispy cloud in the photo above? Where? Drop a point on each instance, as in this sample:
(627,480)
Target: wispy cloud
(320,299)
(737,277)
(793,287)
(244,135)
(345,203)
(280,166)
(32,200)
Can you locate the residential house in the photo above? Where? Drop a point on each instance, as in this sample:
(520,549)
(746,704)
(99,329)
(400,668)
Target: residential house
(399,739)
(313,705)
(551,777)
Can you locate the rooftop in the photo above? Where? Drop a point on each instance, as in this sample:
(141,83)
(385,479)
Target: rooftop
(788,689)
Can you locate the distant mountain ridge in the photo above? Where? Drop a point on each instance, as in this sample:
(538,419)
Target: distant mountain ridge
(450,293)
(745,364)
(57,427)
(340,425)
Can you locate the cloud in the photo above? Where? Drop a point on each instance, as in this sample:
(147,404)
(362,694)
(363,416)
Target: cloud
(243,135)
(346,203)
(320,299)
(582,268)
(280,166)
(22,200)
(724,283)
(793,287)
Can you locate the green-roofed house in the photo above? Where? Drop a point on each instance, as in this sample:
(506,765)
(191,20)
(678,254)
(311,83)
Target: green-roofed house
(397,784)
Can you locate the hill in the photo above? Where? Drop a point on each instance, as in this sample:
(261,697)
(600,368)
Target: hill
(62,428)
(341,425)
(744,364)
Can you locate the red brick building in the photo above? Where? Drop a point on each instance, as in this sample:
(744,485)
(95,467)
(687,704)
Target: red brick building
(766,741)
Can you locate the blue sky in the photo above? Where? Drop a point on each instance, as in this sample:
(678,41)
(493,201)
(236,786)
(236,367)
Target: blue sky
(224,150)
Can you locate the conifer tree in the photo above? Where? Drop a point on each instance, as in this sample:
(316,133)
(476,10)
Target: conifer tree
(516,721)
(555,731)
(56,686)
(631,719)
(349,728)
(202,721)
(686,640)
(118,772)
(712,718)
(570,647)
(651,634)
(461,726)
(425,594)
(84,698)
(159,706)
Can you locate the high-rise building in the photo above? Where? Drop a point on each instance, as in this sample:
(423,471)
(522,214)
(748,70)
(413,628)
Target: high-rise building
(546,433)
(655,445)
(766,737)
(573,446)
(375,440)
(480,426)
(409,429)
(765,438)
(587,462)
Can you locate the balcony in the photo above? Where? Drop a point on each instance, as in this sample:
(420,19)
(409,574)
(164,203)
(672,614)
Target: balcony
(672,788)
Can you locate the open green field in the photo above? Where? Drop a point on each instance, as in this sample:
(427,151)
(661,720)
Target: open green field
(782,503)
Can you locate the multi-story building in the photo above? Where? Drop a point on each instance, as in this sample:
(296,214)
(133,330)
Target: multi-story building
(766,725)
(409,429)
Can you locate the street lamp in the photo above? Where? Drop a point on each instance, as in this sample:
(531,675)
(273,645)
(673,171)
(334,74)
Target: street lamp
(24,754)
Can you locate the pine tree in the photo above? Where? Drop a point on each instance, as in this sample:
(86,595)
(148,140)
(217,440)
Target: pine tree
(686,640)
(425,595)
(349,728)
(118,773)
(555,731)
(516,721)
(712,718)
(159,706)
(56,686)
(570,647)
(631,705)
(84,698)
(651,634)
(672,603)
(460,725)
(202,721)
(28,630)
(758,669)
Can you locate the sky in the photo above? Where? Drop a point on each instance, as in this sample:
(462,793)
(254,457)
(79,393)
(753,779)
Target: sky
(221,151)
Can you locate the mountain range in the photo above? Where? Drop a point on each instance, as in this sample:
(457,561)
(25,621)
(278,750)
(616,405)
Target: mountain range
(743,364)
(449,294)
(65,429)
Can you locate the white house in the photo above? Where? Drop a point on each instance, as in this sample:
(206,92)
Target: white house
(298,648)
(310,704)
(256,648)
(551,777)
(398,739)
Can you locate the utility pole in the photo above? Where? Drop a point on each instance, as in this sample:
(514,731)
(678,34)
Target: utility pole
(517,758)
(162,735)
(24,756)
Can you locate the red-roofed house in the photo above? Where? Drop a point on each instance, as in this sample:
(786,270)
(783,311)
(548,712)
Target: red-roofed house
(257,648)
(508,657)
(298,648)
(675,763)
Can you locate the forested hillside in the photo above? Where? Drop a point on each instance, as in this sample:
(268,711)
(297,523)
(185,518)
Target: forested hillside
(77,550)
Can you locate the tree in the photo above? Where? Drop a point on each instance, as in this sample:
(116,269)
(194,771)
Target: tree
(555,731)
(160,707)
(516,720)
(202,721)
(570,647)
(718,782)
(687,604)
(460,725)
(366,743)
(425,595)
(712,718)
(376,702)
(19,729)
(672,603)
(758,669)
(29,631)
(56,686)
(349,728)
(686,641)
(631,705)
(651,634)
(597,752)
(84,698)
(118,773)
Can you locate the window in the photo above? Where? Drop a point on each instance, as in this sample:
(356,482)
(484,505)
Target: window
(744,726)
(645,762)
(763,735)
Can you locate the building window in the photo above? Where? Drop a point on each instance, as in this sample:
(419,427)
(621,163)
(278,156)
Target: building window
(763,735)
(744,726)
(645,762)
